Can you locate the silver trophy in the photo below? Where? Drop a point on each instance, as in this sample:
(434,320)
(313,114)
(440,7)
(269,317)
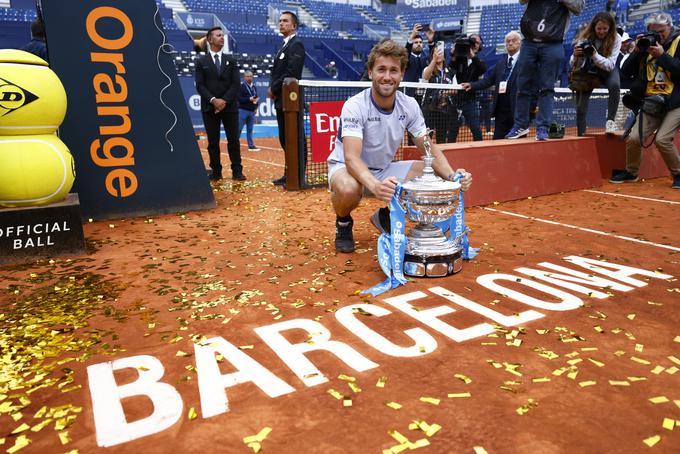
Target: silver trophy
(428,200)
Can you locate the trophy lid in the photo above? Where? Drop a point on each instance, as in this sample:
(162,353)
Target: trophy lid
(428,181)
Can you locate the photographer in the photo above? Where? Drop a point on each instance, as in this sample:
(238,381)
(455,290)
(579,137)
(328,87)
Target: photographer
(436,104)
(655,63)
(417,57)
(595,53)
(464,67)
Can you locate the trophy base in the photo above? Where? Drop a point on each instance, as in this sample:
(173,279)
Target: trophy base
(434,265)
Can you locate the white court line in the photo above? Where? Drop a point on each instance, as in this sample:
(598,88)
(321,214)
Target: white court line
(263,148)
(263,162)
(583,229)
(632,196)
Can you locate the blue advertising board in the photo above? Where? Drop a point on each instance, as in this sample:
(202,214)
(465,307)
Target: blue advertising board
(127,124)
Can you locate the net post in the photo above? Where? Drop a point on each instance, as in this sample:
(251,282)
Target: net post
(291,110)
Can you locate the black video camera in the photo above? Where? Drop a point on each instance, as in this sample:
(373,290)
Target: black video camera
(647,40)
(588,48)
(461,46)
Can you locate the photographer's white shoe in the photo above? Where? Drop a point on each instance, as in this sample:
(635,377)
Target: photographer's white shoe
(610,127)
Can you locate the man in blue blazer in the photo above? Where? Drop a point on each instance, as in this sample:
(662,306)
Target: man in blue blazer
(218,82)
(504,77)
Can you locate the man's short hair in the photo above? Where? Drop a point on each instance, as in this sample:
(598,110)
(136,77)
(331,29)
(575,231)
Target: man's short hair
(659,19)
(388,48)
(207,35)
(293,16)
(248,73)
(418,37)
(38,29)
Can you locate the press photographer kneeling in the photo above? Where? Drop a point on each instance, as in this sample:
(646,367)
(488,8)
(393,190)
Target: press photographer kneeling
(656,94)
(593,65)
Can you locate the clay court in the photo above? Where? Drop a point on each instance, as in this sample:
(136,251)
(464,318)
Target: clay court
(602,377)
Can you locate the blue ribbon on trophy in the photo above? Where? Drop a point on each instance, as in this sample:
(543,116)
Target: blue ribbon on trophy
(456,225)
(391,248)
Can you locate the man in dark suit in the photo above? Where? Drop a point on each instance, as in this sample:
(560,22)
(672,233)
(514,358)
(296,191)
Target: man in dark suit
(504,78)
(288,62)
(218,82)
(37,46)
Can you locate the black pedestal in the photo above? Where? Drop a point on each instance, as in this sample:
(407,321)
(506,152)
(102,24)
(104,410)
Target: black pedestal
(41,232)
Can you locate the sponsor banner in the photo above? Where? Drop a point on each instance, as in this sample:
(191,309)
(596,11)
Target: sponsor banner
(126,125)
(197,21)
(324,118)
(412,5)
(265,109)
(448,23)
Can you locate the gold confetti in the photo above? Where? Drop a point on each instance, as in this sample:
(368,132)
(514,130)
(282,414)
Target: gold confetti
(246,347)
(658,369)
(260,437)
(526,407)
(458,395)
(463,378)
(636,378)
(381,382)
(430,400)
(540,379)
(354,387)
(397,436)
(659,400)
(335,394)
(346,378)
(584,384)
(651,441)
(64,437)
(677,339)
(346,402)
(191,414)
(630,316)
(589,349)
(639,348)
(479,450)
(597,363)
(668,423)
(639,360)
(393,405)
(619,383)
(182,354)
(674,359)
(21,428)
(21,442)
(672,370)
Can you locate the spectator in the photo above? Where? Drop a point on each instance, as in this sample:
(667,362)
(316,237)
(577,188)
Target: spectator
(37,45)
(543,25)
(627,46)
(465,66)
(217,81)
(417,57)
(657,72)
(248,100)
(595,53)
(332,70)
(436,102)
(288,62)
(504,78)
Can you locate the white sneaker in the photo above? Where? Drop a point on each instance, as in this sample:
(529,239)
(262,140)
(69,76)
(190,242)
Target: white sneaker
(610,127)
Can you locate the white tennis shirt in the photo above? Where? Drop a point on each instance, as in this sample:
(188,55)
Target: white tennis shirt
(380,131)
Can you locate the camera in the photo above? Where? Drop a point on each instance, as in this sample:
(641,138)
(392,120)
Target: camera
(462,45)
(588,48)
(647,40)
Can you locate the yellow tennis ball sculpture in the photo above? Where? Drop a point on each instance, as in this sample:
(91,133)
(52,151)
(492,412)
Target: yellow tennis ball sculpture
(36,167)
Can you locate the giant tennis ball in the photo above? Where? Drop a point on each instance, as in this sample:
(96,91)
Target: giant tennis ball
(32,99)
(34,170)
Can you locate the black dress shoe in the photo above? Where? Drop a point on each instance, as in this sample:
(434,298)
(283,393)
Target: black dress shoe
(214,176)
(239,177)
(280,181)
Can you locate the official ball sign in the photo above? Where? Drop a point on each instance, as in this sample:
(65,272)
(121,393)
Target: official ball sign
(325,126)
